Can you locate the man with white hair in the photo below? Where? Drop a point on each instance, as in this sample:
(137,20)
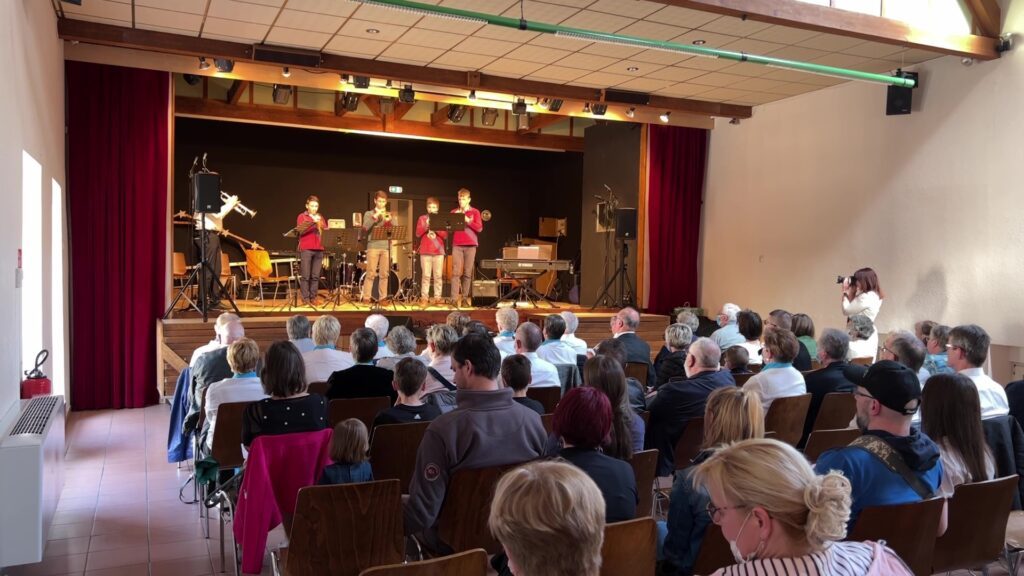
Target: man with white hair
(325,359)
(379,324)
(571,324)
(729,332)
(507,320)
(543,373)
(624,325)
(218,338)
(211,367)
(298,328)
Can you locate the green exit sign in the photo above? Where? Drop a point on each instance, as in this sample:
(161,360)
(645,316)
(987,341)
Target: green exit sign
(394,189)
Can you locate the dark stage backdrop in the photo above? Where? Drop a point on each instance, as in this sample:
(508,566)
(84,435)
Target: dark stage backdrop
(272,170)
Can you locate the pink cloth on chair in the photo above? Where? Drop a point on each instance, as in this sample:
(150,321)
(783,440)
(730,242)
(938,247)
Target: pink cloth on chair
(277,467)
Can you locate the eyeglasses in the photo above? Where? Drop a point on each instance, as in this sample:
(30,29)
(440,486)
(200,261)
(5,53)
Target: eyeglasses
(863,395)
(715,512)
(952,346)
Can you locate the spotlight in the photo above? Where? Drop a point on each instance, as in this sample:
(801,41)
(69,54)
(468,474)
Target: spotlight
(472,95)
(523,122)
(664,117)
(586,108)
(191,79)
(388,85)
(599,109)
(286,72)
(455,113)
(735,121)
(362,82)
(519,107)
(203,64)
(387,105)
(489,116)
(631,112)
(342,78)
(555,104)
(223,64)
(350,101)
(282,93)
(699,42)
(407,94)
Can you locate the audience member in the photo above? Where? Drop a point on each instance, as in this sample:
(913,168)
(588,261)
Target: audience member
(887,395)
(686,318)
(951,417)
(379,324)
(211,367)
(605,374)
(751,328)
(515,374)
(572,323)
(549,517)
(486,429)
(218,337)
(583,419)
(243,386)
(364,380)
(458,321)
(325,359)
(507,320)
(624,325)
(967,351)
(679,401)
(402,343)
(923,330)
(937,361)
(779,378)
(833,347)
(298,329)
(476,326)
(543,374)
(350,451)
(863,337)
(441,340)
(781,518)
(732,414)
(617,351)
(728,332)
(803,329)
(903,347)
(677,340)
(410,381)
(862,294)
(290,407)
(553,348)
(736,360)
(783,320)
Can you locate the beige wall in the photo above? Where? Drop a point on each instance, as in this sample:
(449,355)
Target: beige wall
(31,120)
(824,183)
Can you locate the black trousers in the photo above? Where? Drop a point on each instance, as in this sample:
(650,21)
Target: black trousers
(213,259)
(309,268)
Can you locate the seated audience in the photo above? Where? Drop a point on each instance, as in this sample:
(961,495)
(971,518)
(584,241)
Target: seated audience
(781,518)
(751,328)
(325,359)
(364,380)
(553,349)
(290,407)
(729,333)
(379,324)
(679,401)
(571,324)
(686,318)
(441,340)
(243,386)
(298,329)
(736,360)
(583,419)
(515,374)
(779,378)
(923,330)
(677,340)
(937,362)
(211,367)
(803,329)
(967,351)
(863,338)
(458,321)
(732,414)
(507,320)
(402,343)
(218,337)
(833,347)
(624,326)
(951,417)
(605,374)
(350,451)
(903,347)
(410,381)
(487,428)
(542,373)
(783,320)
(549,518)
(616,350)
(887,394)
(477,327)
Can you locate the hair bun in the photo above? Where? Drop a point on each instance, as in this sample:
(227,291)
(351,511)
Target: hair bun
(828,508)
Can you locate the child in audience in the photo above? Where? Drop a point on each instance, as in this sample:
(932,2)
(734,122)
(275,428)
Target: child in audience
(737,360)
(350,447)
(410,382)
(515,373)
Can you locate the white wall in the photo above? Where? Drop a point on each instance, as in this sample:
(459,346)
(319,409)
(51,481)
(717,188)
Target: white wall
(825,183)
(31,120)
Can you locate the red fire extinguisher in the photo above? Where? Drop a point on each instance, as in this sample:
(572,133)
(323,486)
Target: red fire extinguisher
(36,383)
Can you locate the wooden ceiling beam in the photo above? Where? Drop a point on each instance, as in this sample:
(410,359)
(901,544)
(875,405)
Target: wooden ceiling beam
(541,121)
(402,108)
(986,17)
(440,116)
(235,91)
(796,14)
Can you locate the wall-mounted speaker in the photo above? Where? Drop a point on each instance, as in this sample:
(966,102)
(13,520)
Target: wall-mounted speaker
(207,191)
(625,223)
(899,100)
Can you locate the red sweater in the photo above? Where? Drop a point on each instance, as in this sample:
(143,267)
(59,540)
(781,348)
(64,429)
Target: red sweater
(429,247)
(310,239)
(475,225)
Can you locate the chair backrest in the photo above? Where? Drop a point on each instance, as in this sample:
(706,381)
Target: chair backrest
(257,264)
(645,466)
(569,376)
(342,529)
(393,450)
(741,379)
(225,265)
(629,547)
(547,395)
(548,420)
(320,387)
(786,417)
(468,563)
(976,530)
(714,551)
(178,266)
(462,523)
(637,370)
(227,435)
(837,410)
(689,443)
(863,361)
(909,529)
(364,409)
(821,440)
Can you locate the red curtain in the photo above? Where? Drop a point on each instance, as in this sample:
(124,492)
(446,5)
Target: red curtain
(117,191)
(676,186)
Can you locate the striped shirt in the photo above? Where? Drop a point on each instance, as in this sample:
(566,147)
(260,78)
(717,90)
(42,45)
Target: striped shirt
(839,559)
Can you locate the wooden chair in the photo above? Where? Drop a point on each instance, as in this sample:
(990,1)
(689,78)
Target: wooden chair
(629,547)
(755,368)
(741,379)
(786,417)
(909,529)
(462,522)
(976,532)
(261,271)
(393,450)
(714,551)
(547,395)
(863,361)
(342,529)
(227,279)
(689,443)
(548,421)
(821,440)
(363,409)
(319,387)
(469,563)
(226,447)
(644,466)
(837,410)
(637,370)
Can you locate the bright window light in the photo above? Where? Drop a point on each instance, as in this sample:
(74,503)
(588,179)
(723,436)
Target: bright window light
(57,338)
(31,259)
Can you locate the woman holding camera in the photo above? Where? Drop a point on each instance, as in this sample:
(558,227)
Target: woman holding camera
(862,294)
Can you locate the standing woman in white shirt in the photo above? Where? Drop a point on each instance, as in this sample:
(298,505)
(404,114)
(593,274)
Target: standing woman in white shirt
(862,294)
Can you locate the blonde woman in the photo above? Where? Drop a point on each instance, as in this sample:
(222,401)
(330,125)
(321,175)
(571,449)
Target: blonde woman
(549,516)
(781,518)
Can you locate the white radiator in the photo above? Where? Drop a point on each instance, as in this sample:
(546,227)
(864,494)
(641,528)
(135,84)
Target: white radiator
(31,479)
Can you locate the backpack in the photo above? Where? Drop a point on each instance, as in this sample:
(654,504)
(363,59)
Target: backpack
(885,562)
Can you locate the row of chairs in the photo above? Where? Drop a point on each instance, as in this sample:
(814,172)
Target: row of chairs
(259,272)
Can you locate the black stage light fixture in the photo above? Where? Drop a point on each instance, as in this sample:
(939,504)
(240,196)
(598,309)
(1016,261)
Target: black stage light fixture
(350,101)
(455,113)
(586,108)
(387,105)
(519,107)
(522,122)
(599,109)
(282,93)
(555,104)
(407,94)
(489,116)
(203,64)
(191,79)
(362,82)
(223,64)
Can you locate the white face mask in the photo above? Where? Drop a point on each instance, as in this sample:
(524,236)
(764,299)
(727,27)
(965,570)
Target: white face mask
(736,554)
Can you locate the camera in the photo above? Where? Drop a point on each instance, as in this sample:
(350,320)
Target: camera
(841,279)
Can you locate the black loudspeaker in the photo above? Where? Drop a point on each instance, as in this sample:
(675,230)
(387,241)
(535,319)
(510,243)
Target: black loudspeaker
(898,100)
(485,292)
(625,223)
(207,189)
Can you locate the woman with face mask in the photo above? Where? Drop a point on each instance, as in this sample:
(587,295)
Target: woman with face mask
(781,518)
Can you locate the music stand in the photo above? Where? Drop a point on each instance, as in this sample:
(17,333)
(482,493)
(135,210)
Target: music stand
(391,234)
(449,223)
(341,241)
(291,300)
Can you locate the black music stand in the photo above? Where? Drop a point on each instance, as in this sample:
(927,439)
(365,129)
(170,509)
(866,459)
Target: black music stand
(450,223)
(291,299)
(339,242)
(391,233)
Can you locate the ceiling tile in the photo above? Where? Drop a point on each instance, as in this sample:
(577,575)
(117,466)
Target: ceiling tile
(512,68)
(602,79)
(273,3)
(757,84)
(168,29)
(100,9)
(235,29)
(298,38)
(611,50)
(719,94)
(448,25)
(653,30)
(190,6)
(788,75)
(873,50)
(711,40)
(464,60)
(623,67)
(717,79)
(708,64)
(683,90)
(752,46)
(332,7)
(557,74)
(356,46)
(385,15)
(431,38)
(597,21)
(734,26)
(505,34)
(839,60)
(537,54)
(475,45)
(631,8)
(550,41)
(573,3)
(165,18)
(242,11)
(675,73)
(878,66)
(793,88)
(746,69)
(645,84)
(406,52)
(540,12)
(783,34)
(755,98)
(486,6)
(830,42)
(683,17)
(358,29)
(309,21)
(915,55)
(587,61)
(660,57)
(797,53)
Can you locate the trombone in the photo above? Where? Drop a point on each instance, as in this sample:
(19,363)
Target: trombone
(240,208)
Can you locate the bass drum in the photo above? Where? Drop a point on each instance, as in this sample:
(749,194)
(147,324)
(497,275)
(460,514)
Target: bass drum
(392,284)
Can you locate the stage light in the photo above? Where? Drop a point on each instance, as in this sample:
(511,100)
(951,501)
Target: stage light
(362,82)
(631,112)
(555,104)
(387,105)
(350,101)
(586,108)
(342,78)
(523,122)
(191,79)
(472,95)
(203,64)
(664,117)
(282,93)
(599,109)
(407,94)
(223,64)
(286,72)
(489,116)
(455,113)
(519,107)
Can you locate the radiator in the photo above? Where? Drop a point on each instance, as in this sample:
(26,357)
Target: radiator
(31,479)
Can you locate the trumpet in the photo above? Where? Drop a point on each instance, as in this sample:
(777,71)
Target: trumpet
(386,215)
(240,208)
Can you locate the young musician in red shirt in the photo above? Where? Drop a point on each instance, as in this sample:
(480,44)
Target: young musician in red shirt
(311,249)
(464,250)
(431,251)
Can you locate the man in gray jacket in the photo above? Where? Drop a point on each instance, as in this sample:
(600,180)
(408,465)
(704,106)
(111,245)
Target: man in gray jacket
(486,429)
